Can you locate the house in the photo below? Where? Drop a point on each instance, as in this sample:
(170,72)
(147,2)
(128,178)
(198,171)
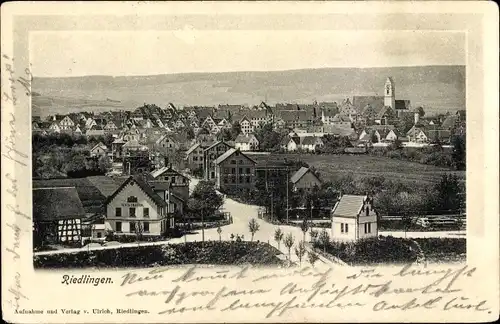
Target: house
(135,205)
(167,143)
(382,133)
(66,123)
(178,182)
(194,157)
(290,144)
(348,109)
(417,134)
(57,216)
(95,131)
(98,150)
(208,123)
(210,154)
(77,131)
(246,142)
(54,127)
(246,126)
(234,169)
(354,218)
(304,178)
(310,143)
(341,120)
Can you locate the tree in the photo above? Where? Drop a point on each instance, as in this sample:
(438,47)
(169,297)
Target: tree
(104,163)
(235,129)
(373,138)
(76,166)
(420,111)
(300,250)
(219,231)
(204,201)
(289,240)
(313,257)
(304,227)
(269,139)
(314,235)
(139,230)
(324,239)
(253,227)
(404,124)
(396,145)
(278,236)
(449,194)
(458,154)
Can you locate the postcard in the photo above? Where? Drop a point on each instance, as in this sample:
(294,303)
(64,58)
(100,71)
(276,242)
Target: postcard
(207,162)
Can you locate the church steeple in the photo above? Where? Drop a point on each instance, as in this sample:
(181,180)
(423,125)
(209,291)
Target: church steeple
(389,93)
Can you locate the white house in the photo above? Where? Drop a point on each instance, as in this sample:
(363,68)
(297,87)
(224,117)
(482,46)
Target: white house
(246,126)
(354,218)
(246,142)
(98,150)
(66,123)
(136,203)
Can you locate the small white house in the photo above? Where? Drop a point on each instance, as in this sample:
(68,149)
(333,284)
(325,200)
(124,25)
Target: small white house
(99,150)
(246,142)
(354,218)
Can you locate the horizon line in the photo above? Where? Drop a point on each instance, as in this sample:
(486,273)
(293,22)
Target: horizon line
(245,71)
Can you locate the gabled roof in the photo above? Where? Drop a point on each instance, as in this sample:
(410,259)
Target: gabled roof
(192,148)
(341,118)
(228,153)
(146,188)
(299,174)
(242,138)
(57,203)
(349,206)
(310,140)
(215,144)
(100,144)
(156,173)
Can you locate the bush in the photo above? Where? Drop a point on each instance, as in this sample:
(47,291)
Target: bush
(212,252)
(393,250)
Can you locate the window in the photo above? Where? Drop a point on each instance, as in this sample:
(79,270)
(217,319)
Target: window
(145,212)
(131,212)
(367,211)
(233,170)
(347,228)
(225,180)
(146,227)
(132,227)
(240,170)
(183,180)
(195,158)
(241,161)
(173,179)
(233,179)
(233,161)
(132,199)
(248,170)
(99,234)
(166,178)
(118,212)
(342,227)
(118,226)
(248,179)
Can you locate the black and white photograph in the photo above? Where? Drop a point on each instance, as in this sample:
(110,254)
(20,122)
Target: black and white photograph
(232,161)
(260,147)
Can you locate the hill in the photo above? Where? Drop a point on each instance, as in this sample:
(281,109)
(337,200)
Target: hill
(438,88)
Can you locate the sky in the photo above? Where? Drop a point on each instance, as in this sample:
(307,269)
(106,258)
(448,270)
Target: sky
(117,53)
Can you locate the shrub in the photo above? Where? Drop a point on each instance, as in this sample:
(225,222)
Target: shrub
(211,252)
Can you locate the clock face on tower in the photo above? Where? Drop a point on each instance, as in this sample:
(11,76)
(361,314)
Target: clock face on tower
(388,89)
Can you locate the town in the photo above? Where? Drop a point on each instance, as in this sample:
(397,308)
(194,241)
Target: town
(342,173)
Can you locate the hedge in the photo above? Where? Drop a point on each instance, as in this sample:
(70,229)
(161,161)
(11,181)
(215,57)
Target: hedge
(391,250)
(213,252)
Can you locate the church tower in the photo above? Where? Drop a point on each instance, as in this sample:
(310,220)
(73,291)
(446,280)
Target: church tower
(390,93)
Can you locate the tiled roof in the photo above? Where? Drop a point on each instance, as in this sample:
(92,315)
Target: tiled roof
(56,204)
(192,148)
(242,138)
(299,174)
(349,206)
(360,102)
(228,153)
(144,186)
(309,140)
(449,122)
(341,118)
(156,173)
(402,104)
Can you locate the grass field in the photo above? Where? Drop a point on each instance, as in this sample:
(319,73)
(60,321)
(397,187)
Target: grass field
(334,165)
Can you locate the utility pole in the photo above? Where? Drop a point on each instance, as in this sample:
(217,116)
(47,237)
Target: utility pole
(287,217)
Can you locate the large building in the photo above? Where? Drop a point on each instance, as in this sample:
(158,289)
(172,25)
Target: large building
(210,154)
(379,108)
(136,205)
(233,169)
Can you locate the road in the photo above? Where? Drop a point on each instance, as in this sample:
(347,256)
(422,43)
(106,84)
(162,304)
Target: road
(242,213)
